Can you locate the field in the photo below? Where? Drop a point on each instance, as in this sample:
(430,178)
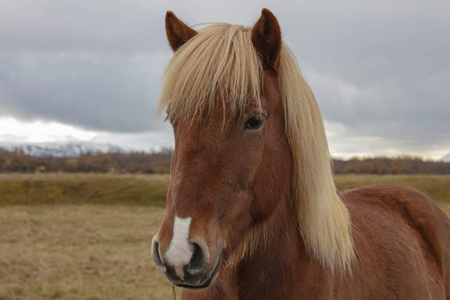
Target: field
(86,236)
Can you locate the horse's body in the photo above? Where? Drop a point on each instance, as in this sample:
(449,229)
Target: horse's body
(402,253)
(402,242)
(252,211)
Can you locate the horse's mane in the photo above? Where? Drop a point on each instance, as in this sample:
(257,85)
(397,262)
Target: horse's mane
(220,62)
(217,63)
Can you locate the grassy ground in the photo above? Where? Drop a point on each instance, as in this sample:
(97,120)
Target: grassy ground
(68,236)
(30,189)
(86,251)
(435,186)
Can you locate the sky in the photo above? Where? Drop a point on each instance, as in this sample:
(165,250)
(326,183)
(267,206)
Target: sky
(91,70)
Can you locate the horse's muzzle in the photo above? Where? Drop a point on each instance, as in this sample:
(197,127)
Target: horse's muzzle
(192,272)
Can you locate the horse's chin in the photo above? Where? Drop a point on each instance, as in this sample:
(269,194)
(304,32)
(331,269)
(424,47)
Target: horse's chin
(205,281)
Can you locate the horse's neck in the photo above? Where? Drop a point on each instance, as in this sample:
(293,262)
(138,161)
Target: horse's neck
(275,265)
(276,268)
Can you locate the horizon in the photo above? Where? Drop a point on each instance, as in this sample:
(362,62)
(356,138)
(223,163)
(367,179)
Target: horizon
(12,146)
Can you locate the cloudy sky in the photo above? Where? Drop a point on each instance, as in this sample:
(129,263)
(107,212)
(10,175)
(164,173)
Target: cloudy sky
(90,70)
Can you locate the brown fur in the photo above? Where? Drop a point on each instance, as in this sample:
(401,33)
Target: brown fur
(240,189)
(178,33)
(266,37)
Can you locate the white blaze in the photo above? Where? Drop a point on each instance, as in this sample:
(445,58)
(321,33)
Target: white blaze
(180,252)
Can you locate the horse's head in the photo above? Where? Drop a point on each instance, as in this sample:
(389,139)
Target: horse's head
(232,161)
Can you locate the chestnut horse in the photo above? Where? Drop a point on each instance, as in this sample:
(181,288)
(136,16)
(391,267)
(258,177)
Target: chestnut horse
(252,210)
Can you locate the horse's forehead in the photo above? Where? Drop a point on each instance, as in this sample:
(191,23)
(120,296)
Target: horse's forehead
(219,111)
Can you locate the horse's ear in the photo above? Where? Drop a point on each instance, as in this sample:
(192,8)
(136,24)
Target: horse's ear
(177,32)
(266,38)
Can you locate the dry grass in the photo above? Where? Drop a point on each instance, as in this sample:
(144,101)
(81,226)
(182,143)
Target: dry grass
(79,252)
(65,236)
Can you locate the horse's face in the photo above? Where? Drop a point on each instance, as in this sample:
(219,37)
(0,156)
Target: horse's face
(225,179)
(226,174)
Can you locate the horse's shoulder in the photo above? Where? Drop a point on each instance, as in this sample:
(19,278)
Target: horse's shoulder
(409,207)
(414,206)
(395,197)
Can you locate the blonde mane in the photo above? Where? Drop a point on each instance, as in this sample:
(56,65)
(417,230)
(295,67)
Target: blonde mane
(217,63)
(220,62)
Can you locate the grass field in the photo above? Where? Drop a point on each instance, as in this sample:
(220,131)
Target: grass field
(86,251)
(31,189)
(65,236)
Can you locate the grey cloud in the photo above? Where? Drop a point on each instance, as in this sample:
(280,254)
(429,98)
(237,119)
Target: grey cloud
(380,69)
(99,26)
(107,93)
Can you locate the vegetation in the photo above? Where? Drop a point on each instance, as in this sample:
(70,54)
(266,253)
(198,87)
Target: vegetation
(386,165)
(55,188)
(112,162)
(86,251)
(159,163)
(435,186)
(86,236)
(150,190)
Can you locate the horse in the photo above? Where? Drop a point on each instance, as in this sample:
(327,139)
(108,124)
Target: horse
(252,210)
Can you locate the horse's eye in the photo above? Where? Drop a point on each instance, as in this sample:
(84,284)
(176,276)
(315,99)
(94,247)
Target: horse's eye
(253,123)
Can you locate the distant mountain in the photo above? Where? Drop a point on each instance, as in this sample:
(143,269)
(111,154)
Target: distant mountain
(446,158)
(69,149)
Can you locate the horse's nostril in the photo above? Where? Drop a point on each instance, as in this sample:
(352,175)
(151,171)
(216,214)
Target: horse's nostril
(197,263)
(157,257)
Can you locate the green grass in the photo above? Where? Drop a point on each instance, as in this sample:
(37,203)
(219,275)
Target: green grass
(150,190)
(435,186)
(30,189)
